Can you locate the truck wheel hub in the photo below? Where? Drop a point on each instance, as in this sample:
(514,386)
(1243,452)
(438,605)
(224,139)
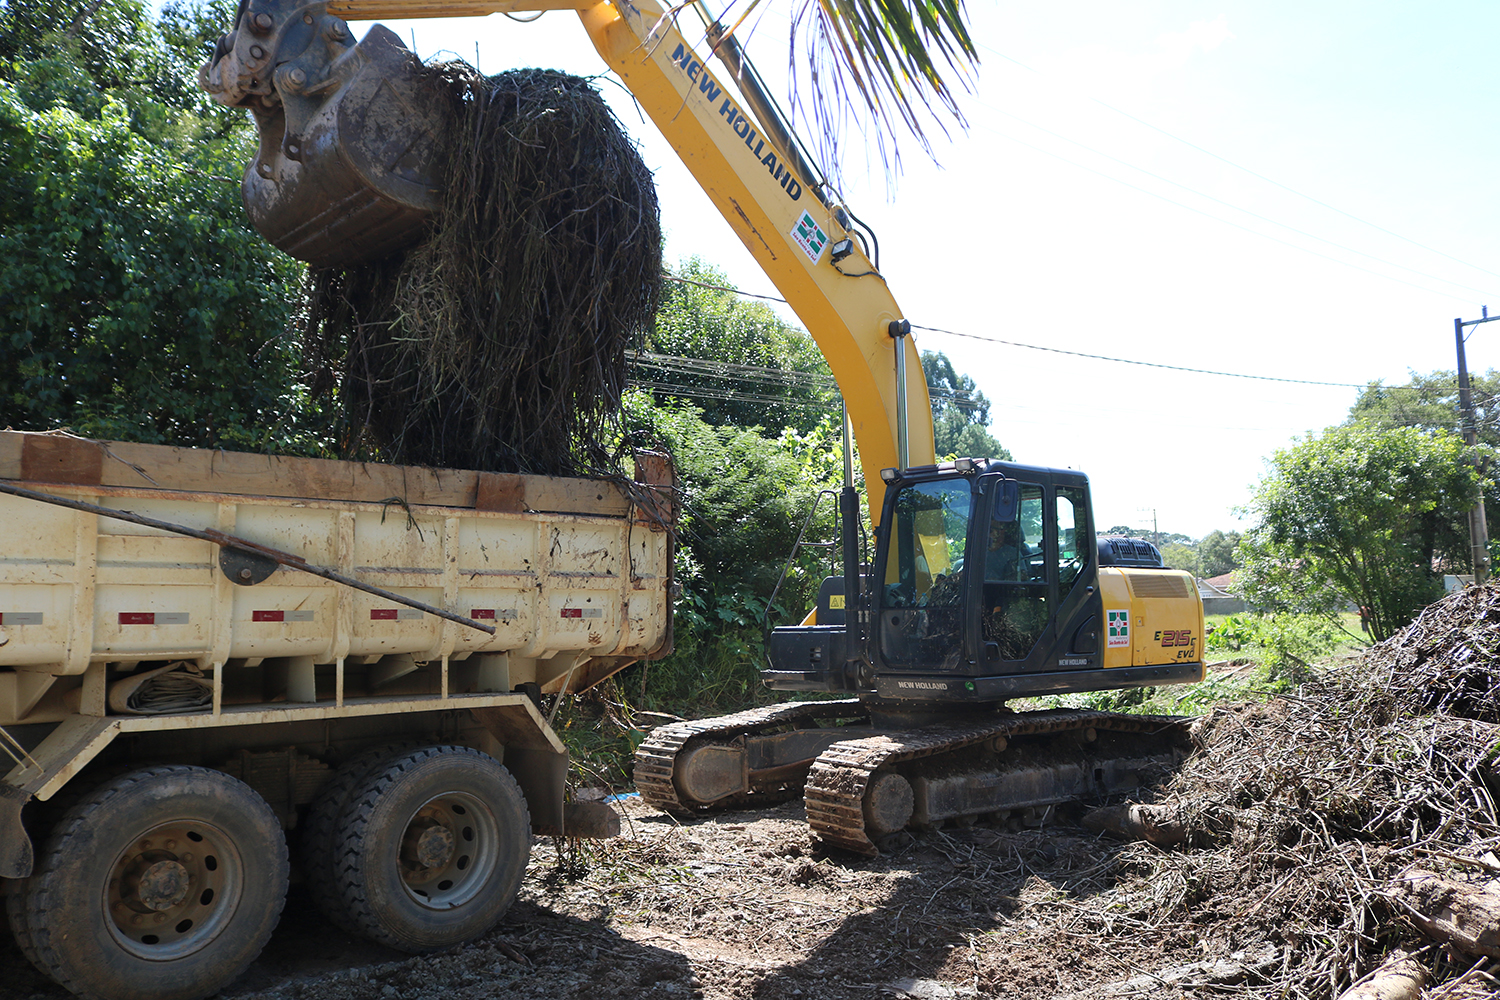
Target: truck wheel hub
(163,885)
(429,846)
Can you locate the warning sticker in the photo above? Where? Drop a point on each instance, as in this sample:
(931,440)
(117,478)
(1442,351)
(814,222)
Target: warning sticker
(809,237)
(1119,628)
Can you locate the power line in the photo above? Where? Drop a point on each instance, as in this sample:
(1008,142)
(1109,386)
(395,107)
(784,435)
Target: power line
(1058,350)
(678,364)
(1145,364)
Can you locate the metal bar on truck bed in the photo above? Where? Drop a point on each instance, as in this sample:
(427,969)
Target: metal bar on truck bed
(233,541)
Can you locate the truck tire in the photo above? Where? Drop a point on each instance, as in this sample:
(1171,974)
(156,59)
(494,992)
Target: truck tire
(433,848)
(319,842)
(165,882)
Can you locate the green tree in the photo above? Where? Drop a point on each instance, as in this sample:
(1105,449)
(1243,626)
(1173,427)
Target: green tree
(745,497)
(135,300)
(734,359)
(960,412)
(1184,557)
(1359,514)
(1430,402)
(1216,553)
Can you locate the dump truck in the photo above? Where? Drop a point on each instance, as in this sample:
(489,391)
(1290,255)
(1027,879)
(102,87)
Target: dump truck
(216,668)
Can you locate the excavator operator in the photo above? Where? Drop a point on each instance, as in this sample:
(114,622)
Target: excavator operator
(1003,554)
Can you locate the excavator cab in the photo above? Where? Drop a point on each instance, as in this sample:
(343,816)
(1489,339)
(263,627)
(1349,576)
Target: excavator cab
(985,587)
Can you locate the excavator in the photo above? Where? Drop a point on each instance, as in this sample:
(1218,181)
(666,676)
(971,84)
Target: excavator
(988,582)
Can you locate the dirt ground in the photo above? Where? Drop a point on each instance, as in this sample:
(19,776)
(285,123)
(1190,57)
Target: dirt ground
(1299,817)
(738,906)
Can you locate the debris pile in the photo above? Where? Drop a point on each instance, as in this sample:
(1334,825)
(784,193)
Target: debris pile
(498,342)
(1345,822)
(1448,660)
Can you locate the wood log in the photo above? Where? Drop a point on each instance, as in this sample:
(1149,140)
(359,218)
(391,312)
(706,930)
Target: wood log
(1161,825)
(1463,914)
(1400,977)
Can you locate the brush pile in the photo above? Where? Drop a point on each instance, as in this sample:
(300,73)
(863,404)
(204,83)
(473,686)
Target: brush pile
(1313,813)
(498,342)
(1448,660)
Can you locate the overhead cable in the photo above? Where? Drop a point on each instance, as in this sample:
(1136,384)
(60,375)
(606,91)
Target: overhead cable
(1058,350)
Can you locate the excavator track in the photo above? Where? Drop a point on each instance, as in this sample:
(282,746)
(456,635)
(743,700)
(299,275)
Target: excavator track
(836,786)
(657,755)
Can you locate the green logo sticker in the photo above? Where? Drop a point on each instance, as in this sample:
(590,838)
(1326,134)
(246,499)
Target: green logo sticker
(1119,628)
(809,237)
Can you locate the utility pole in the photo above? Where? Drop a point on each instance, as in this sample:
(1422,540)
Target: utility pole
(1155,534)
(1479,536)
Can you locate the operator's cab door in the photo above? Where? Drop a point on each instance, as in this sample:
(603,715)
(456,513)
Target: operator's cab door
(1015,599)
(1037,607)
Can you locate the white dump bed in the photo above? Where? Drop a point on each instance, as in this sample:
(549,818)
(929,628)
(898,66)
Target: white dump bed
(573,576)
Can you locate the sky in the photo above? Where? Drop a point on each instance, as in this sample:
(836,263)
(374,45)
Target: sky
(1274,188)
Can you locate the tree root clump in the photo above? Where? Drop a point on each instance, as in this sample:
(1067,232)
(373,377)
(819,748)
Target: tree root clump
(497,343)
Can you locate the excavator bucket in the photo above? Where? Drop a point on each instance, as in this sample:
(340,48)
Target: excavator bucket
(349,164)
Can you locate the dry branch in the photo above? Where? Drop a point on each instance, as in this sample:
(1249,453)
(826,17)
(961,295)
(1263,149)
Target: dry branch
(1219,972)
(1161,825)
(1464,915)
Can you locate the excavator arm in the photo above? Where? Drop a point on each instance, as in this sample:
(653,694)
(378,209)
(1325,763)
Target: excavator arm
(733,144)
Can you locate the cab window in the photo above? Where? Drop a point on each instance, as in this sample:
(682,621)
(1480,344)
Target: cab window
(1015,611)
(922,599)
(1073,535)
(926,549)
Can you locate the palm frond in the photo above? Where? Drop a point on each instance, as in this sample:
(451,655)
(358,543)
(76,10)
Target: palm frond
(895,64)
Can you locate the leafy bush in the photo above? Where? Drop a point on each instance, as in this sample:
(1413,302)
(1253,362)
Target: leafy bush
(745,498)
(135,300)
(1289,642)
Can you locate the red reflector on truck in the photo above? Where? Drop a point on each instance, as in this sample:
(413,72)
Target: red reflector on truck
(394,614)
(153,617)
(305,615)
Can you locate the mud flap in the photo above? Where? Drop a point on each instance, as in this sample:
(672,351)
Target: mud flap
(16,857)
(543,777)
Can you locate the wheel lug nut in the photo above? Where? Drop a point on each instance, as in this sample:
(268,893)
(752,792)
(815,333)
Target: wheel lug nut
(135,920)
(187,857)
(170,844)
(159,918)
